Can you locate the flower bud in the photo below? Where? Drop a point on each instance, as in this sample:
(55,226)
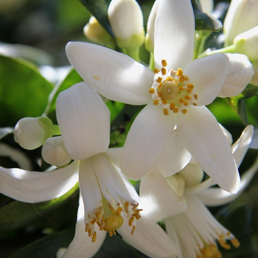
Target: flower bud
(31,132)
(192,174)
(247,43)
(241,16)
(54,152)
(254,80)
(96,33)
(177,183)
(126,19)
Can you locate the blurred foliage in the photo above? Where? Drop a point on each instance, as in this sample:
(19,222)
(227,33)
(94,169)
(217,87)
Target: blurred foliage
(39,230)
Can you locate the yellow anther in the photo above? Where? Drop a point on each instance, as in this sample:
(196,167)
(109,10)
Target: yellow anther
(130,221)
(164,101)
(186,78)
(151,90)
(186,103)
(126,205)
(195,96)
(182,101)
(155,102)
(190,86)
(165,111)
(164,62)
(184,111)
(156,70)
(187,97)
(159,80)
(209,251)
(159,94)
(235,242)
(160,86)
(189,91)
(94,237)
(179,72)
(170,79)
(134,205)
(175,110)
(181,78)
(163,70)
(172,105)
(119,210)
(195,104)
(133,229)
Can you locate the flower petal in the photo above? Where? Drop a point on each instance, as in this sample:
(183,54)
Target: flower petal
(145,141)
(204,139)
(149,238)
(174,33)
(81,245)
(114,75)
(30,186)
(208,75)
(174,157)
(240,147)
(158,200)
(240,73)
(84,121)
(217,196)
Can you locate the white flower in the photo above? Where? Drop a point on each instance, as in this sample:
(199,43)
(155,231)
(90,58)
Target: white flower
(175,94)
(109,201)
(207,6)
(195,230)
(241,16)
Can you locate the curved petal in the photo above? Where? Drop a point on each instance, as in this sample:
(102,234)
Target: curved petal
(174,33)
(145,141)
(114,75)
(30,186)
(217,196)
(174,157)
(158,200)
(114,154)
(204,139)
(81,245)
(208,75)
(240,73)
(84,121)
(149,238)
(240,147)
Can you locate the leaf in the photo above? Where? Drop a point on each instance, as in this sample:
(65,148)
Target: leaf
(98,9)
(72,78)
(115,108)
(23,90)
(203,21)
(47,246)
(115,247)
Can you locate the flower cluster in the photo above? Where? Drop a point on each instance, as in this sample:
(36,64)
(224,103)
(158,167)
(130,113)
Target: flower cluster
(184,158)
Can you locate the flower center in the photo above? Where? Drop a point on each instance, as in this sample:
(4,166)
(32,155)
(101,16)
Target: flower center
(172,90)
(209,251)
(108,218)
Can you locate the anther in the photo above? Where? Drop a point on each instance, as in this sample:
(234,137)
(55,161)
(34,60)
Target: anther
(184,111)
(156,70)
(165,111)
(151,90)
(133,229)
(164,62)
(155,102)
(163,70)
(159,80)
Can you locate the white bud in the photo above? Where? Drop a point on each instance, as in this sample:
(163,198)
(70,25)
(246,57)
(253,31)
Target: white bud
(241,16)
(254,80)
(31,132)
(192,174)
(177,183)
(247,43)
(126,20)
(240,73)
(54,152)
(95,32)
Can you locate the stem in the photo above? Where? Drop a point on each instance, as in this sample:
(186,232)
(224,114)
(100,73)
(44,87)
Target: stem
(229,49)
(151,62)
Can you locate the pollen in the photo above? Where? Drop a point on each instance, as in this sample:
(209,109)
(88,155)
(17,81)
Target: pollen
(165,111)
(156,70)
(155,102)
(164,62)
(151,90)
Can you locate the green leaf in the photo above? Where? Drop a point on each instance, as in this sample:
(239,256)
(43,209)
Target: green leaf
(115,247)
(72,78)
(98,9)
(23,90)
(115,108)
(46,247)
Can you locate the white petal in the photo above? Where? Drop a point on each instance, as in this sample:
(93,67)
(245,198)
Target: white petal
(81,245)
(84,121)
(227,134)
(16,155)
(207,6)
(240,147)
(145,141)
(113,74)
(89,186)
(240,73)
(174,33)
(149,238)
(114,154)
(5,131)
(254,143)
(174,157)
(158,200)
(208,75)
(30,186)
(204,139)
(217,196)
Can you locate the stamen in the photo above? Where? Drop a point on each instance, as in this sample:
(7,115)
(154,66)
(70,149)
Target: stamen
(164,62)
(156,70)
(163,70)
(155,102)
(165,111)
(151,90)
